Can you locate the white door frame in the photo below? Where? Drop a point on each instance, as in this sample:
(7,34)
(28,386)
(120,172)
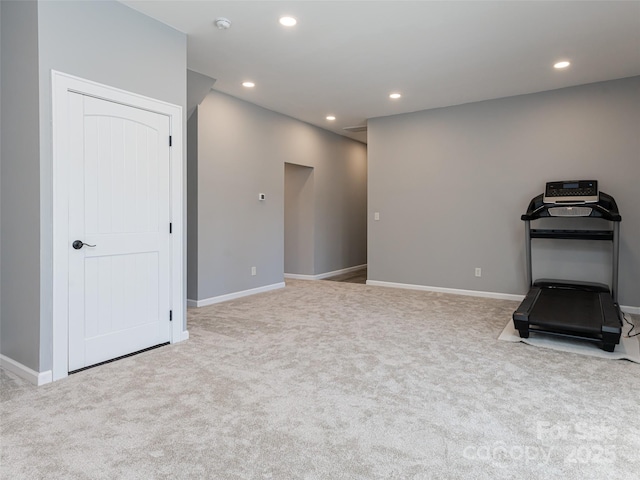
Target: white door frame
(62,84)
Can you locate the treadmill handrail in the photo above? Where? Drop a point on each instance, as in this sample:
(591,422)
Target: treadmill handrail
(605,208)
(572,234)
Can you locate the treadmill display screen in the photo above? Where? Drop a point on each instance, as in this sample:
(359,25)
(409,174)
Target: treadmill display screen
(571,191)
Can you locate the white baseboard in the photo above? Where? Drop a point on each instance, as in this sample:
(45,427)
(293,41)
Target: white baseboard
(473,293)
(232,296)
(320,276)
(454,291)
(298,276)
(628,309)
(184,335)
(31,376)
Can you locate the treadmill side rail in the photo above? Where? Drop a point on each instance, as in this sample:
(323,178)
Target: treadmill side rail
(611,320)
(521,315)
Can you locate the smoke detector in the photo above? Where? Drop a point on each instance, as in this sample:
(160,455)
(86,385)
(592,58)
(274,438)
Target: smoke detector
(222,23)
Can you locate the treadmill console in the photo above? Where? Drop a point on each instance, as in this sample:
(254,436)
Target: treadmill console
(571,191)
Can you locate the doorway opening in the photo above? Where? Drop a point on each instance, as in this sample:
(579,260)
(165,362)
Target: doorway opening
(299,207)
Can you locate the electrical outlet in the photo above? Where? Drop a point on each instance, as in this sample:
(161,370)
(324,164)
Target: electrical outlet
(253,271)
(376,216)
(478,272)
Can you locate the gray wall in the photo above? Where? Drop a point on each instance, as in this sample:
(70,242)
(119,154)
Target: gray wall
(450,185)
(299,218)
(242,150)
(0,178)
(192,205)
(20,188)
(108,43)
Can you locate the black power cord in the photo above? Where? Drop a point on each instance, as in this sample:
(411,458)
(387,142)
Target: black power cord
(629,335)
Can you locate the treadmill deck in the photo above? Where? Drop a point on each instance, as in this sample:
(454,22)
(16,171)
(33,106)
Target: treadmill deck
(579,311)
(568,310)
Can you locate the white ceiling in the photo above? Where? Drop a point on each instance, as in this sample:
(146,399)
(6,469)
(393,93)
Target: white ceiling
(345,57)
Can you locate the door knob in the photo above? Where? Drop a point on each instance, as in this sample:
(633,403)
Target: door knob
(78,244)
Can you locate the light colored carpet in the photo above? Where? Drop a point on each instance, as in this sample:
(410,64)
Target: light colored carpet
(327,380)
(627,349)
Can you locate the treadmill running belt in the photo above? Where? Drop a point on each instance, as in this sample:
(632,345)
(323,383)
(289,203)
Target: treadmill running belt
(578,311)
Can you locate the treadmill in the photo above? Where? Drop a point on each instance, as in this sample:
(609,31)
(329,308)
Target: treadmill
(581,310)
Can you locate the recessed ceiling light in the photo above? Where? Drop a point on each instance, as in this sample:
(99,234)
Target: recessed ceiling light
(395,95)
(561,65)
(288,21)
(248,84)
(330,117)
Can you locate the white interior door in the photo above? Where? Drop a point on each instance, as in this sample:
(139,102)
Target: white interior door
(119,201)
